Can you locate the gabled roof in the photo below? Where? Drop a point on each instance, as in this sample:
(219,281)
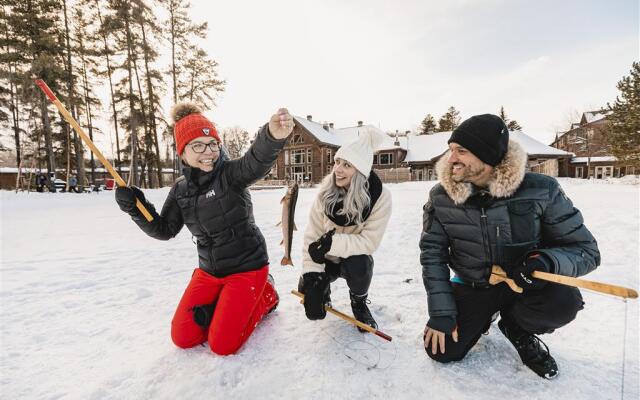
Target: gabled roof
(592,116)
(534,147)
(342,136)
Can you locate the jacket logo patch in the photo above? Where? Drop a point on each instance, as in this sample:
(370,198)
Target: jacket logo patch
(210,193)
(206,131)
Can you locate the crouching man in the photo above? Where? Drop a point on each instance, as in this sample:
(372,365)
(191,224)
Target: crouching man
(485,211)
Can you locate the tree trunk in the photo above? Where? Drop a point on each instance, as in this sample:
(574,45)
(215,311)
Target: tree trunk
(147,155)
(133,123)
(113,103)
(152,117)
(15,115)
(88,112)
(76,140)
(46,126)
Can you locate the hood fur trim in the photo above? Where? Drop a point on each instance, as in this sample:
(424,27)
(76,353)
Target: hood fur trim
(507,175)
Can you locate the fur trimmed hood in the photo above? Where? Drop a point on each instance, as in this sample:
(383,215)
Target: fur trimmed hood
(507,175)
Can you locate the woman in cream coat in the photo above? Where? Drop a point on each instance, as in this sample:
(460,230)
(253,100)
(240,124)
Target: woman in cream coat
(346,224)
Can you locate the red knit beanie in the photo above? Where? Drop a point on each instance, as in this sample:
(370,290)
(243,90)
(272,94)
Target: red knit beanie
(190,124)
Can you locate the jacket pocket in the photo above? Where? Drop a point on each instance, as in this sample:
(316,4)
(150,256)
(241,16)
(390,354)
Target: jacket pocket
(523,221)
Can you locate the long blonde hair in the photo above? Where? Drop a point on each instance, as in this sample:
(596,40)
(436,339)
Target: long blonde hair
(354,200)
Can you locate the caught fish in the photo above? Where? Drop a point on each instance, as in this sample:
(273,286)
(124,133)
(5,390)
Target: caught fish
(287,223)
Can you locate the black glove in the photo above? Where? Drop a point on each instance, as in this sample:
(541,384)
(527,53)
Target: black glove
(126,198)
(203,314)
(320,248)
(444,324)
(315,286)
(522,273)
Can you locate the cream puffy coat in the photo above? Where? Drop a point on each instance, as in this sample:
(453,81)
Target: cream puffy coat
(348,240)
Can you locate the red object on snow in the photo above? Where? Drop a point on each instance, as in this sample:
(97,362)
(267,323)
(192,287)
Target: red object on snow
(109,184)
(242,300)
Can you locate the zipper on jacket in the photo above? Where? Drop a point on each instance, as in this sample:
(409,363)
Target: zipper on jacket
(498,246)
(195,211)
(485,235)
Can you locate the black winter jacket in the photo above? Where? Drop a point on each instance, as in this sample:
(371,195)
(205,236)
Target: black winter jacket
(216,207)
(469,229)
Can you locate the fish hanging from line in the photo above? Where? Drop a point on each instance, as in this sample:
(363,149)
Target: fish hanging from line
(288,222)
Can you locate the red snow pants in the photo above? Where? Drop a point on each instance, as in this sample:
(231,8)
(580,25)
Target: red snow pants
(242,300)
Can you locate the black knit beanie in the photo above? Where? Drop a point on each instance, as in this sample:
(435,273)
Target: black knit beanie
(486,136)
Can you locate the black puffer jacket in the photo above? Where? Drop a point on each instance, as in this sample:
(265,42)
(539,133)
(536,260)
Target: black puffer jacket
(216,207)
(468,229)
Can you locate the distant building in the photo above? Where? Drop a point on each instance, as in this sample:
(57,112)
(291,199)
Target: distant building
(586,139)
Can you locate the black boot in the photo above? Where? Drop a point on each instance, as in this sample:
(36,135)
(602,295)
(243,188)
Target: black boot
(361,311)
(273,283)
(533,352)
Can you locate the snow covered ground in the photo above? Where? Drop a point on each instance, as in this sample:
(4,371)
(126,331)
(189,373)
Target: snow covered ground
(86,301)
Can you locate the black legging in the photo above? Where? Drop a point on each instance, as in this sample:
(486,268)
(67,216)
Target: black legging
(356,270)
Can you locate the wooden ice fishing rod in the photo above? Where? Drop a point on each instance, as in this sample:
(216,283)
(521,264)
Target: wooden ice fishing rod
(67,116)
(499,275)
(349,319)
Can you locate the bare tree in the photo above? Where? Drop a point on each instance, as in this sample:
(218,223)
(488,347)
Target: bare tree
(236,140)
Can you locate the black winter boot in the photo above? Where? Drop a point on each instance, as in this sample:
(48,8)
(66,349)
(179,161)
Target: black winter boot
(533,352)
(273,284)
(361,311)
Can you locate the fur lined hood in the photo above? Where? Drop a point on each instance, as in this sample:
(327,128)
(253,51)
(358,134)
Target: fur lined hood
(507,175)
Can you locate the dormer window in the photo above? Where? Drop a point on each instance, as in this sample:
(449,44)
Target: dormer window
(297,139)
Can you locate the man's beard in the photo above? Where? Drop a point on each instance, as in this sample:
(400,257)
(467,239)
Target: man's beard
(468,172)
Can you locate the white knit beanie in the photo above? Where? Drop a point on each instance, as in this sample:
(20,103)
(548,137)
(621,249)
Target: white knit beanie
(360,153)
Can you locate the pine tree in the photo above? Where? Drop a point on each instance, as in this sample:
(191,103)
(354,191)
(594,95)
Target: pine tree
(192,72)
(449,121)
(428,126)
(88,53)
(623,135)
(512,125)
(107,53)
(38,51)
(72,100)
(153,81)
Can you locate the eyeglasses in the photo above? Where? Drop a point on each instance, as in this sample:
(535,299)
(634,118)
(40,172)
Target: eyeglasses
(199,147)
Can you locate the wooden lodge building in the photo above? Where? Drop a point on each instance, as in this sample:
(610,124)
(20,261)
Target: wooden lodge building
(586,140)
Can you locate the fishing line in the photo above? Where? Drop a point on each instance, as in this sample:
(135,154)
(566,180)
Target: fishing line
(363,351)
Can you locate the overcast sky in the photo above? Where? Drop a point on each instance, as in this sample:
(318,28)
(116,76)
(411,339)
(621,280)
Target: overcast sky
(389,63)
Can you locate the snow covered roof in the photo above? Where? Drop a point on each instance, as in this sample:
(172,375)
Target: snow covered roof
(426,147)
(342,136)
(534,147)
(577,160)
(593,116)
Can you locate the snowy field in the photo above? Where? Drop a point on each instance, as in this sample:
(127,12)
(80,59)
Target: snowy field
(86,301)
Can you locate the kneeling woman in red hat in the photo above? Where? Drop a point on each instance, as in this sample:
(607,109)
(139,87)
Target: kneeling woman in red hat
(231,290)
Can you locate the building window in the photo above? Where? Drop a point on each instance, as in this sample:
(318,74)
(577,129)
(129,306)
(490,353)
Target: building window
(297,156)
(286,157)
(297,139)
(578,172)
(309,153)
(375,161)
(329,156)
(386,158)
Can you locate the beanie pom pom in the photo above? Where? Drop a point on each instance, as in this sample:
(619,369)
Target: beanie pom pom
(183,109)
